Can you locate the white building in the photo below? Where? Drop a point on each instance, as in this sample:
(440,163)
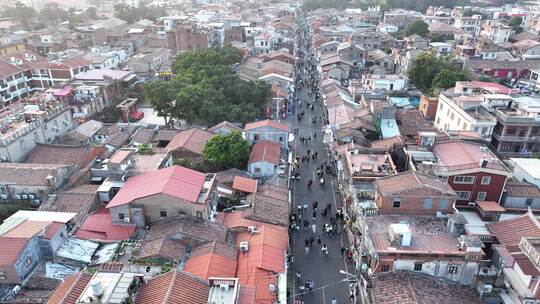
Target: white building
(527,169)
(384,82)
(496,31)
(464,113)
(469,25)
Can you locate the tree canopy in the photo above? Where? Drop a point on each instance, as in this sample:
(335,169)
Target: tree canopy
(22,13)
(430,73)
(206,90)
(227,151)
(133,14)
(418,27)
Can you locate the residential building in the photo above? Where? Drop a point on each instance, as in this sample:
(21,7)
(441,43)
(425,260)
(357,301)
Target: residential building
(268,130)
(368,165)
(264,159)
(422,244)
(471,169)
(225,128)
(175,287)
(400,17)
(518,127)
(88,36)
(458,112)
(441,48)
(189,143)
(164,193)
(149,63)
(496,31)
(520,195)
(470,25)
(384,82)
(26,237)
(25,125)
(413,193)
(428,106)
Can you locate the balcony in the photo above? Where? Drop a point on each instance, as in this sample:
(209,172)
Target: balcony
(441,170)
(512,138)
(515,118)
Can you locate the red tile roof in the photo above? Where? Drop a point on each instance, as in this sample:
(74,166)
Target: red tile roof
(226,125)
(244,184)
(175,181)
(162,247)
(71,289)
(51,230)
(267,123)
(211,265)
(259,266)
(509,232)
(63,154)
(174,287)
(192,140)
(490,206)
(10,248)
(521,189)
(410,180)
(267,151)
(98,226)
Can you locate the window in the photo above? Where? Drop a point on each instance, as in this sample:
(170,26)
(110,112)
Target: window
(453,269)
(256,137)
(182,212)
(462,179)
(199,215)
(385,268)
(397,202)
(481,196)
(257,170)
(2,275)
(528,202)
(163,213)
(428,203)
(510,131)
(281,138)
(418,266)
(443,202)
(486,180)
(121,216)
(28,261)
(463,195)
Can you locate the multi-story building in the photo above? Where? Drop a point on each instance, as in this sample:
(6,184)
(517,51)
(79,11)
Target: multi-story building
(21,74)
(471,169)
(186,37)
(400,17)
(496,31)
(89,36)
(517,132)
(469,25)
(464,113)
(25,124)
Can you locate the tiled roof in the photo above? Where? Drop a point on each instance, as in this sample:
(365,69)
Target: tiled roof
(490,206)
(176,181)
(63,154)
(227,176)
(174,287)
(267,151)
(509,232)
(273,191)
(82,201)
(267,123)
(10,248)
(192,140)
(409,181)
(521,189)
(162,247)
(244,184)
(27,174)
(71,289)
(405,287)
(165,135)
(214,259)
(387,143)
(267,210)
(226,125)
(98,226)
(264,259)
(188,229)
(143,136)
(111,266)
(31,296)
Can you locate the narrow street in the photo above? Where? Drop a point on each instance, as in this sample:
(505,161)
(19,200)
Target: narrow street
(322,269)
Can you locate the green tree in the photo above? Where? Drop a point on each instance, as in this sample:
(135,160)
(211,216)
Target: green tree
(227,151)
(418,27)
(427,66)
(21,13)
(161,95)
(515,21)
(52,13)
(446,79)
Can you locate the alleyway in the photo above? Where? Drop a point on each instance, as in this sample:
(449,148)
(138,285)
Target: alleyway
(323,270)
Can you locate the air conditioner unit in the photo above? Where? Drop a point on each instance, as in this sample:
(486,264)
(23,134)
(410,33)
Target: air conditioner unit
(24,196)
(252,229)
(472,204)
(126,219)
(272,288)
(224,287)
(37,201)
(31,196)
(244,246)
(487,288)
(3,196)
(17,197)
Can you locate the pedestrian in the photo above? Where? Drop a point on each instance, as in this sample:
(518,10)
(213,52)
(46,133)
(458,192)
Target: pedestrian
(310,182)
(314,228)
(317,153)
(298,276)
(343,250)
(311,240)
(318,240)
(306,251)
(311,285)
(300,208)
(315,205)
(306,224)
(314,214)
(306,206)
(334,301)
(324,250)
